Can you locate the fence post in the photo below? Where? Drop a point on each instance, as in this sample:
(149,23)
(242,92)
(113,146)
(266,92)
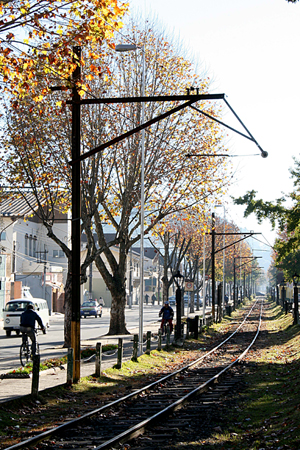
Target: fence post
(188,323)
(135,347)
(148,346)
(168,335)
(98,359)
(35,375)
(70,366)
(120,354)
(159,340)
(196,327)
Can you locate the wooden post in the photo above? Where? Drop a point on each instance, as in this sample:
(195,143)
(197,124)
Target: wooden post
(196,327)
(35,375)
(159,340)
(188,328)
(70,366)
(135,347)
(120,354)
(168,334)
(148,347)
(98,359)
(76,215)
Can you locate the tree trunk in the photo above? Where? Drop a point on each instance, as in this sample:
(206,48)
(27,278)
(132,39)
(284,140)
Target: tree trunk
(116,283)
(68,313)
(117,324)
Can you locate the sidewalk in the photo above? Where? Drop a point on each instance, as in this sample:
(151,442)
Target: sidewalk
(12,388)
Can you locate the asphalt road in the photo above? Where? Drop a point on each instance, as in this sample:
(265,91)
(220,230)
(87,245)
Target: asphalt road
(51,343)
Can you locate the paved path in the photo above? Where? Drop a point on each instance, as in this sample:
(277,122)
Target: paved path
(13,388)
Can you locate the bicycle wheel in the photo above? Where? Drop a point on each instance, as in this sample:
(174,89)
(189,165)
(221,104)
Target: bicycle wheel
(24,354)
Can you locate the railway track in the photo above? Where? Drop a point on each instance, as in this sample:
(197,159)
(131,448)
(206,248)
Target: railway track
(137,417)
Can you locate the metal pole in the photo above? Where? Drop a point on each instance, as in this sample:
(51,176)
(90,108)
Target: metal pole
(234,282)
(204,286)
(213,292)
(76,212)
(223,291)
(142,215)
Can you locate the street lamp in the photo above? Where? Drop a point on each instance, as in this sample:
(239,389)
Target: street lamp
(296,306)
(126,48)
(179,280)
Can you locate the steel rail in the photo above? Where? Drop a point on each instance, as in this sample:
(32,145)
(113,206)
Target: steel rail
(138,429)
(56,430)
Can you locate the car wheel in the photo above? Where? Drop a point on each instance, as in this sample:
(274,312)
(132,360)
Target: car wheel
(8,333)
(18,332)
(95,316)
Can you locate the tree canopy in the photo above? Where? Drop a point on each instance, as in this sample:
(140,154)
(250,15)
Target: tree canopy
(37,39)
(284,212)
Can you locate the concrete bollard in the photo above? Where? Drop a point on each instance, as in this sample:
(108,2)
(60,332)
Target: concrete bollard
(148,345)
(98,359)
(70,362)
(35,375)
(135,347)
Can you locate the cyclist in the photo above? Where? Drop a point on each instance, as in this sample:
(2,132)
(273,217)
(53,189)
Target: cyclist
(167,314)
(27,325)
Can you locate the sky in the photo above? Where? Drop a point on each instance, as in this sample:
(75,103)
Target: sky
(249,48)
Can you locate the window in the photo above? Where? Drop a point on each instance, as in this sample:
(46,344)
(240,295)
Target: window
(26,244)
(3,236)
(58,254)
(34,246)
(30,245)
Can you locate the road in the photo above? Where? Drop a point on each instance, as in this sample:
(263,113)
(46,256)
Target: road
(51,343)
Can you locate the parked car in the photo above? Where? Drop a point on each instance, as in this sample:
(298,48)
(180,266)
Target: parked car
(172,300)
(90,308)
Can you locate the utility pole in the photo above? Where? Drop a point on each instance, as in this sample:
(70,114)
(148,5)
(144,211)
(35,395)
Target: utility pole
(76,213)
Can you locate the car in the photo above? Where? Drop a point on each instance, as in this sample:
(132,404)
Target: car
(172,300)
(90,308)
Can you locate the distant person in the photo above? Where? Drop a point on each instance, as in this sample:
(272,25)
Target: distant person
(153,299)
(167,314)
(226,299)
(27,325)
(147,298)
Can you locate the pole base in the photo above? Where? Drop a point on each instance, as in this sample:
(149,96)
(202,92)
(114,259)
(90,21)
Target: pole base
(178,342)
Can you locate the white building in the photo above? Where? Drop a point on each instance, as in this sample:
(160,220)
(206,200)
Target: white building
(28,256)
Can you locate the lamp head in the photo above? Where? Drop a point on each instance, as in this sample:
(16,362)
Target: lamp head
(125,47)
(178,278)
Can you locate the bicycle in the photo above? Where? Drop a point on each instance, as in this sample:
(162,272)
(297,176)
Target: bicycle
(165,328)
(26,349)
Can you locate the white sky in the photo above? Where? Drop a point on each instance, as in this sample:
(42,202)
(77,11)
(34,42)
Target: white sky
(250,49)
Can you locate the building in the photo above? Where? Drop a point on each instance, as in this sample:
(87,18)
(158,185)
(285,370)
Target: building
(28,257)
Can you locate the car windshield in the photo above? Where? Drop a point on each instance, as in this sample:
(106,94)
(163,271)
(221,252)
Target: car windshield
(16,306)
(89,304)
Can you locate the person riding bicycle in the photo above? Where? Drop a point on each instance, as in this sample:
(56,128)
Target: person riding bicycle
(27,325)
(167,314)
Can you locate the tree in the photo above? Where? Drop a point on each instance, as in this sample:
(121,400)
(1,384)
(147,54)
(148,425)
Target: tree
(111,181)
(173,182)
(38,36)
(287,245)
